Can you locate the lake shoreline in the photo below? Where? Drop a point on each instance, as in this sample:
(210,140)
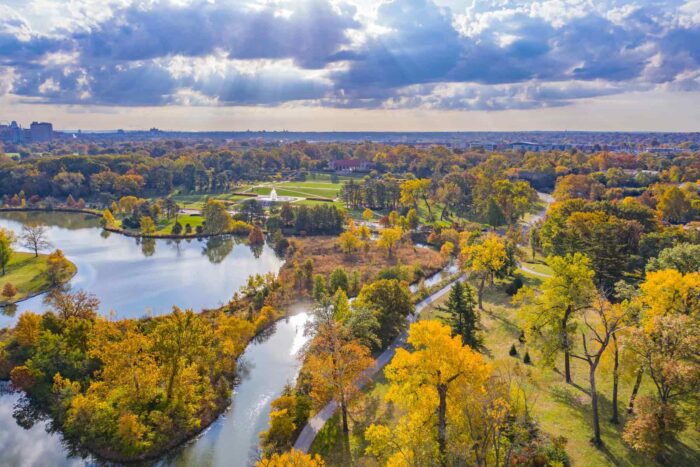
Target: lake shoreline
(45,288)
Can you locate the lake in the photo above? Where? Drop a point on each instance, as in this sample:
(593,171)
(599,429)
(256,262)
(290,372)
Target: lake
(135,278)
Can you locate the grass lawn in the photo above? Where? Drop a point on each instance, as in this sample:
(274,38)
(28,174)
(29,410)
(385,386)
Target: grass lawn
(165,226)
(27,273)
(560,409)
(538,264)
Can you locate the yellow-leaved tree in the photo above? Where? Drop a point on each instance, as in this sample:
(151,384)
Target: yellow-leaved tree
(291,458)
(483,260)
(431,386)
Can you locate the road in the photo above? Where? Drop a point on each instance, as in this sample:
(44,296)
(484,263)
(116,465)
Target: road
(317,422)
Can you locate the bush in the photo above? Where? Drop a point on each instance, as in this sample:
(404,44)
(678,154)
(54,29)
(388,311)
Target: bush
(526,359)
(513,351)
(9,291)
(515,285)
(188,229)
(199,229)
(177,229)
(521,338)
(240,228)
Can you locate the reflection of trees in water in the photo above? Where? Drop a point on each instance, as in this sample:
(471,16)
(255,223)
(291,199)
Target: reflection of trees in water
(105,234)
(257,250)
(148,246)
(65,220)
(175,244)
(26,414)
(218,248)
(8,310)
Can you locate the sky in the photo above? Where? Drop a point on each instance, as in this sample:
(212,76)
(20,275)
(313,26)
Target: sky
(353,65)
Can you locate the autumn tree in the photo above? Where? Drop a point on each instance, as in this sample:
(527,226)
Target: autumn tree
(57,267)
(34,238)
(9,290)
(335,363)
(291,458)
(148,227)
(414,190)
(673,205)
(7,239)
(349,243)
(550,314)
(483,260)
(108,219)
(388,238)
(684,258)
(666,346)
(217,220)
(256,237)
(429,384)
(80,304)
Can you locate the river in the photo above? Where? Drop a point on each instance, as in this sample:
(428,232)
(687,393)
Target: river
(134,279)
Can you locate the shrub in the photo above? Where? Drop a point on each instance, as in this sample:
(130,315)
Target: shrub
(177,228)
(526,359)
(240,228)
(515,285)
(188,229)
(9,291)
(199,229)
(513,351)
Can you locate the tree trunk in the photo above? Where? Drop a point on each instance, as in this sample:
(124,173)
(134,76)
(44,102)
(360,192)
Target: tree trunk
(344,412)
(565,344)
(616,382)
(594,404)
(442,422)
(635,390)
(480,292)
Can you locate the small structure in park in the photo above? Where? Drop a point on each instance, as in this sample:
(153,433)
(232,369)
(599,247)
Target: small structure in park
(273,198)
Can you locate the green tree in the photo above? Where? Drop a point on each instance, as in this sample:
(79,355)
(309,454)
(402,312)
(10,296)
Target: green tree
(390,300)
(147,225)
(550,315)
(463,318)
(7,239)
(216,219)
(339,280)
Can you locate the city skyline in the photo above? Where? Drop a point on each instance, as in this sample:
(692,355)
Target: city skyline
(327,65)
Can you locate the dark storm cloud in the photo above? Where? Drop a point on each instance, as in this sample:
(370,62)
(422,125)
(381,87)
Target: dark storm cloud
(518,60)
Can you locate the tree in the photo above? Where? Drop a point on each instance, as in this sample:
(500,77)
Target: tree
(388,238)
(595,339)
(291,458)
(28,329)
(673,205)
(80,304)
(339,280)
(108,219)
(179,338)
(666,347)
(462,316)
(684,258)
(335,363)
(7,239)
(550,315)
(216,219)
(390,301)
(413,190)
(483,261)
(287,214)
(9,291)
(447,249)
(367,214)
(147,225)
(57,267)
(349,243)
(429,384)
(34,238)
(412,220)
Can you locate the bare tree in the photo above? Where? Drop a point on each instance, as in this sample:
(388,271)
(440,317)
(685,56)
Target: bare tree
(595,340)
(34,238)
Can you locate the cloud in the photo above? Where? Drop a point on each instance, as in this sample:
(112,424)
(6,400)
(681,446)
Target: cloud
(491,54)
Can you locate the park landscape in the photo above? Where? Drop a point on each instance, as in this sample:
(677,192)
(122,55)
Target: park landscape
(363,233)
(432,309)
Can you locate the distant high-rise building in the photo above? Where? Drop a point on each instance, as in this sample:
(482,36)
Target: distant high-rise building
(41,131)
(11,133)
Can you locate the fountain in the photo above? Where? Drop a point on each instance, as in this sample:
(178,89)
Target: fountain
(273,198)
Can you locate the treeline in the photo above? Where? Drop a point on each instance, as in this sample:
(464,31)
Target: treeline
(156,168)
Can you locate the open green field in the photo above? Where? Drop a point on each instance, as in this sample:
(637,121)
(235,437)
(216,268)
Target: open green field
(27,273)
(165,226)
(561,409)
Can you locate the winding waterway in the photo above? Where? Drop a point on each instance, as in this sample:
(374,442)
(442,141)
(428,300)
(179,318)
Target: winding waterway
(133,279)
